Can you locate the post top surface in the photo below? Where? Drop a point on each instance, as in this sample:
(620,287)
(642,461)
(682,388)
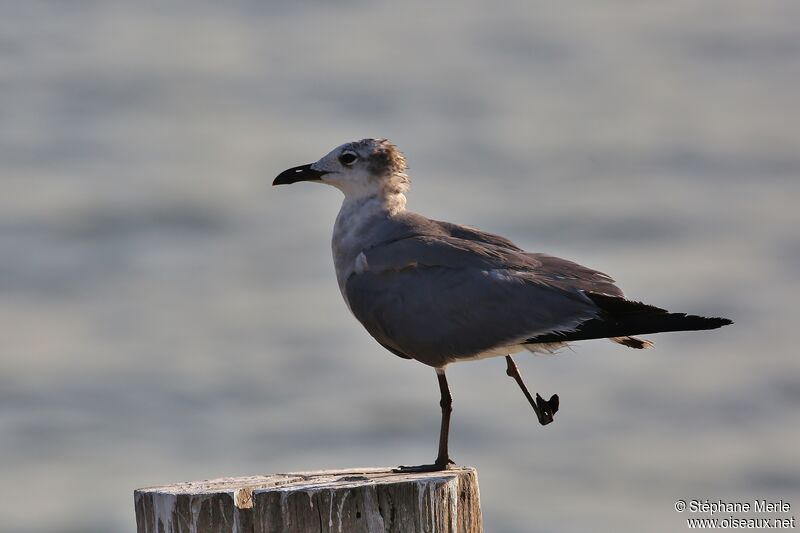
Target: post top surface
(319,479)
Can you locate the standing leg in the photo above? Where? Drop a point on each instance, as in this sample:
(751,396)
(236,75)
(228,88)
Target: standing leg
(544,409)
(443,459)
(446,403)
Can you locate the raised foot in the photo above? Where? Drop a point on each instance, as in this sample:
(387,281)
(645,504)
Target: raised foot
(546,408)
(438,466)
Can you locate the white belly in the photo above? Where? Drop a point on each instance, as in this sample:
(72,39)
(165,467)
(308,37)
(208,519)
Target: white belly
(536,349)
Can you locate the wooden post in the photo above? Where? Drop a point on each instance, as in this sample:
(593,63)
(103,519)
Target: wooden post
(369,500)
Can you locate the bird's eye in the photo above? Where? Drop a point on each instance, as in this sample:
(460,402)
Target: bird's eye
(348,158)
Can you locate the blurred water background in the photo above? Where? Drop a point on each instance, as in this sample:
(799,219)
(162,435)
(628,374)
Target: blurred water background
(166,315)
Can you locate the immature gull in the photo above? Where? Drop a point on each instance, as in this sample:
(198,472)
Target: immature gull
(441,293)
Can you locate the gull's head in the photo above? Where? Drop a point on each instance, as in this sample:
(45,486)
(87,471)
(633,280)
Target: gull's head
(369,167)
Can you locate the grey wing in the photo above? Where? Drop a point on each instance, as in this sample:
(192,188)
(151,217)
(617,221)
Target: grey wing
(476,235)
(468,303)
(458,252)
(553,270)
(568,275)
(427,250)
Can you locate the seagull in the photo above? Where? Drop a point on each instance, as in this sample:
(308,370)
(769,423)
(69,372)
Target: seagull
(442,293)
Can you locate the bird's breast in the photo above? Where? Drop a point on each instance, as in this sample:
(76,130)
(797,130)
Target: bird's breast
(353,232)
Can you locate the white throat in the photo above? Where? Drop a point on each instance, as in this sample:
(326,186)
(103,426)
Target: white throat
(387,193)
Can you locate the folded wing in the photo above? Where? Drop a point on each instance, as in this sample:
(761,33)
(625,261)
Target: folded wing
(441,299)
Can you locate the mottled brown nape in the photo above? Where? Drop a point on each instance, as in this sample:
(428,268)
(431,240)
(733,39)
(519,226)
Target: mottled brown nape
(385,158)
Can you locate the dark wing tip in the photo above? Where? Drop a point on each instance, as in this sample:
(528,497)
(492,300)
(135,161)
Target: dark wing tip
(625,318)
(721,321)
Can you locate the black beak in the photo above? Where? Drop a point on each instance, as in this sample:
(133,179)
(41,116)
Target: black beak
(295,174)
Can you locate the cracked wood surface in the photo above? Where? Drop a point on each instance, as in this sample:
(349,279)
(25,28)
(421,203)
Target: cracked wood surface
(372,500)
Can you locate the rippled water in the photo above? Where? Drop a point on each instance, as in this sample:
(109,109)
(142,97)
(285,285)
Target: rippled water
(168,316)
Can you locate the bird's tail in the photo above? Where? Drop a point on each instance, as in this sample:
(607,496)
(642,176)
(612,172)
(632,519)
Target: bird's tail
(633,342)
(620,319)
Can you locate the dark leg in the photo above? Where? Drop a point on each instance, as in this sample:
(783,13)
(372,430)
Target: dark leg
(446,403)
(443,459)
(544,409)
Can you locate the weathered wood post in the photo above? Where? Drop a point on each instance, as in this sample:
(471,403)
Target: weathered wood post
(369,500)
